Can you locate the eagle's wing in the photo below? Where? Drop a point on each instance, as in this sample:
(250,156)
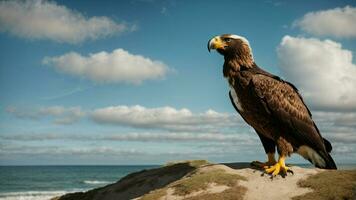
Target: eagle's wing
(285,105)
(287,108)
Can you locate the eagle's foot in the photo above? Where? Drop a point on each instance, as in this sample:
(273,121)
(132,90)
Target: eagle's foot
(279,168)
(263,165)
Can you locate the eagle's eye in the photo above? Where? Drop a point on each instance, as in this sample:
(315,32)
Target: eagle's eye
(227,39)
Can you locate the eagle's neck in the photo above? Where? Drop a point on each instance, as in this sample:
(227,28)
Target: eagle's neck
(235,64)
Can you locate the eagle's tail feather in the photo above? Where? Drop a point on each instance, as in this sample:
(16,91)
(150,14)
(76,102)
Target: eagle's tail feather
(328,160)
(320,159)
(327,145)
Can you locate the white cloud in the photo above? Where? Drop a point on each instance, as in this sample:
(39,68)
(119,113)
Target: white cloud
(337,119)
(338,22)
(159,118)
(342,150)
(60,114)
(118,66)
(41,19)
(338,127)
(227,141)
(321,69)
(164,118)
(343,138)
(184,137)
(240,138)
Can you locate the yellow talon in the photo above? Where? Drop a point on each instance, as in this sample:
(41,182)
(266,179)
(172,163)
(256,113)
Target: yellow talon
(278,168)
(271,169)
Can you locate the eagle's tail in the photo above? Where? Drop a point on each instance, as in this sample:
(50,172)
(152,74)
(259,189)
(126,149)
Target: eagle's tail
(328,161)
(319,158)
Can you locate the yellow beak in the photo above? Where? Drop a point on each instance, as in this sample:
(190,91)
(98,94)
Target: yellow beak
(215,43)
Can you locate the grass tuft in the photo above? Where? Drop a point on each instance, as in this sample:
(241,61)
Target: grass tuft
(335,185)
(200,181)
(154,195)
(192,163)
(235,193)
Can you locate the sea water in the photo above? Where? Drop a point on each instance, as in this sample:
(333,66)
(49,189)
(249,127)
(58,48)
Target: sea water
(46,182)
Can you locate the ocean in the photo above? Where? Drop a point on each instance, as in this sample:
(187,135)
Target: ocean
(45,182)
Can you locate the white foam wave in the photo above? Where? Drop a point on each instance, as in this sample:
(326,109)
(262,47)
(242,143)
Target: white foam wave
(32,195)
(96,182)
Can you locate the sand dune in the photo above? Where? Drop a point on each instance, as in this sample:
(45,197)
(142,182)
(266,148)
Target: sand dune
(194,180)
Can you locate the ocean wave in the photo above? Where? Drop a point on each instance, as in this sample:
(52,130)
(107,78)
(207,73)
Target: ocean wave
(96,182)
(32,195)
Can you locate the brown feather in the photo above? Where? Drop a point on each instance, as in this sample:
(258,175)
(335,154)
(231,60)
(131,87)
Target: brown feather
(288,110)
(273,107)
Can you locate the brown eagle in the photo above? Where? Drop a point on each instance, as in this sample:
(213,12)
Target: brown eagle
(272,106)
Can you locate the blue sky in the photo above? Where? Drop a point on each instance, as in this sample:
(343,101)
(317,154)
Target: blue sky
(132,82)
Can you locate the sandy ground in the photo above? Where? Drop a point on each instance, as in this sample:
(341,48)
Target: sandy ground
(278,188)
(259,186)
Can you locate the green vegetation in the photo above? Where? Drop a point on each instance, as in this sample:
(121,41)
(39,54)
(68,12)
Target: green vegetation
(154,195)
(235,193)
(335,185)
(200,181)
(192,163)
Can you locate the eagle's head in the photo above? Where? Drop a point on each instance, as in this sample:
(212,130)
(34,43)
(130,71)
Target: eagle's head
(232,46)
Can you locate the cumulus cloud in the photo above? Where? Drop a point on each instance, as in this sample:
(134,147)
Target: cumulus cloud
(41,19)
(321,69)
(337,127)
(60,114)
(163,117)
(139,117)
(338,22)
(140,137)
(104,67)
(183,137)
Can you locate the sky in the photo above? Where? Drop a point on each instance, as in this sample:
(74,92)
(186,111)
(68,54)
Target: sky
(132,82)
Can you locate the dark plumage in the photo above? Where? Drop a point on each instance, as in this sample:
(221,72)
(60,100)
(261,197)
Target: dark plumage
(272,106)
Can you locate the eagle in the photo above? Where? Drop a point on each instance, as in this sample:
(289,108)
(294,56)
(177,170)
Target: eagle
(272,106)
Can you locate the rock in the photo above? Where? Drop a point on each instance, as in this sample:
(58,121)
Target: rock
(199,179)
